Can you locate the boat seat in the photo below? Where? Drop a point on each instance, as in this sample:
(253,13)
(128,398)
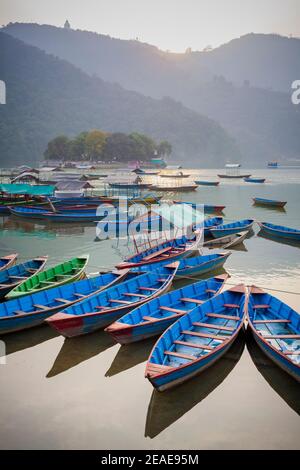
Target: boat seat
(204,335)
(40,307)
(174,310)
(103,307)
(261,306)
(150,289)
(19,312)
(194,301)
(213,326)
(79,295)
(135,295)
(231,306)
(4,285)
(64,301)
(212,291)
(272,321)
(291,336)
(31,270)
(18,277)
(194,345)
(181,355)
(157,253)
(162,280)
(147,318)
(221,315)
(120,301)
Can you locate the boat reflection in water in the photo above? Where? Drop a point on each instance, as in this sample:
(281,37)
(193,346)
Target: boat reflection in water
(166,408)
(282,241)
(79,349)
(281,382)
(25,339)
(20,227)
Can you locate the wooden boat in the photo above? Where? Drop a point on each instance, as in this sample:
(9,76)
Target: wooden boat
(207,183)
(209,223)
(99,310)
(55,276)
(176,189)
(253,179)
(280,231)
(12,277)
(234,227)
(130,185)
(177,175)
(196,340)
(8,261)
(233,176)
(94,201)
(32,310)
(228,241)
(154,317)
(276,329)
(208,208)
(268,202)
(60,216)
(169,250)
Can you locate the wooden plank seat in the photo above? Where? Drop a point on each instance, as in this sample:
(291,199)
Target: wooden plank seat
(157,368)
(292,353)
(40,307)
(63,301)
(117,301)
(221,315)
(31,270)
(212,291)
(102,307)
(18,277)
(204,335)
(180,355)
(213,326)
(271,321)
(19,312)
(129,294)
(231,306)
(79,295)
(289,336)
(174,310)
(194,345)
(261,306)
(157,253)
(194,301)
(5,285)
(162,280)
(150,289)
(147,318)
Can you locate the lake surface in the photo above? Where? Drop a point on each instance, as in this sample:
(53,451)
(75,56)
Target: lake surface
(88,392)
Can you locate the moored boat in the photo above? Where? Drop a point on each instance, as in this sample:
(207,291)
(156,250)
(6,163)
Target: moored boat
(276,329)
(169,250)
(233,176)
(209,223)
(208,208)
(196,340)
(12,277)
(253,179)
(55,276)
(176,188)
(207,183)
(228,241)
(31,310)
(153,317)
(268,202)
(234,227)
(280,231)
(8,261)
(100,310)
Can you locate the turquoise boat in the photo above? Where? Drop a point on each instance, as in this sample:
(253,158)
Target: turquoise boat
(280,231)
(260,201)
(154,317)
(31,310)
(12,277)
(197,340)
(234,227)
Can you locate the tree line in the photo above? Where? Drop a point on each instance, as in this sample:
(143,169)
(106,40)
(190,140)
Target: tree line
(98,145)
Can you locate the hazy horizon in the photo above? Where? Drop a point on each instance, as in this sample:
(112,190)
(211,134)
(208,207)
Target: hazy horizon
(169,25)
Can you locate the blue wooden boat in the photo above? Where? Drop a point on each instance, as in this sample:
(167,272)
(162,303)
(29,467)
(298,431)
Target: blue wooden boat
(207,183)
(276,329)
(100,310)
(268,202)
(253,179)
(208,208)
(169,250)
(209,223)
(12,277)
(280,231)
(8,261)
(154,317)
(234,227)
(43,214)
(196,265)
(196,340)
(130,185)
(31,310)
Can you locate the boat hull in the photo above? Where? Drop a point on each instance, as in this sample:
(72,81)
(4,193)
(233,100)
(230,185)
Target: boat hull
(233,176)
(204,268)
(218,233)
(269,202)
(288,235)
(207,183)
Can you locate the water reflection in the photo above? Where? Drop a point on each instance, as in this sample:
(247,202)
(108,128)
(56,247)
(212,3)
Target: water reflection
(21,340)
(76,350)
(283,241)
(130,355)
(283,384)
(166,408)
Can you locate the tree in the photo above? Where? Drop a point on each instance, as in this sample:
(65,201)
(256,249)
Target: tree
(144,146)
(58,148)
(95,141)
(119,146)
(78,150)
(164,148)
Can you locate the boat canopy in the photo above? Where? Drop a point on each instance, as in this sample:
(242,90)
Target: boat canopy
(32,190)
(72,185)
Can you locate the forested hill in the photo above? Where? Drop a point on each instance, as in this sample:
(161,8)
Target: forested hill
(244,85)
(47,96)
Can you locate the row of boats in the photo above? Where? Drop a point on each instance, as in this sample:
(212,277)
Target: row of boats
(198,322)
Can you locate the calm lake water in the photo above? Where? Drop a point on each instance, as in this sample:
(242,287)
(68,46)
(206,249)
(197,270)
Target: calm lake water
(91,393)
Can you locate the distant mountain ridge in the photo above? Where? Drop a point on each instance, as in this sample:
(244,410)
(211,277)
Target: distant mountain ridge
(244,85)
(47,96)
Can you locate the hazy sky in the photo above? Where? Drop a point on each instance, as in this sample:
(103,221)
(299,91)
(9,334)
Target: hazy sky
(168,24)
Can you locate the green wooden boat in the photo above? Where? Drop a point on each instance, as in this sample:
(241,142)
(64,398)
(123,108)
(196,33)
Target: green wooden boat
(63,273)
